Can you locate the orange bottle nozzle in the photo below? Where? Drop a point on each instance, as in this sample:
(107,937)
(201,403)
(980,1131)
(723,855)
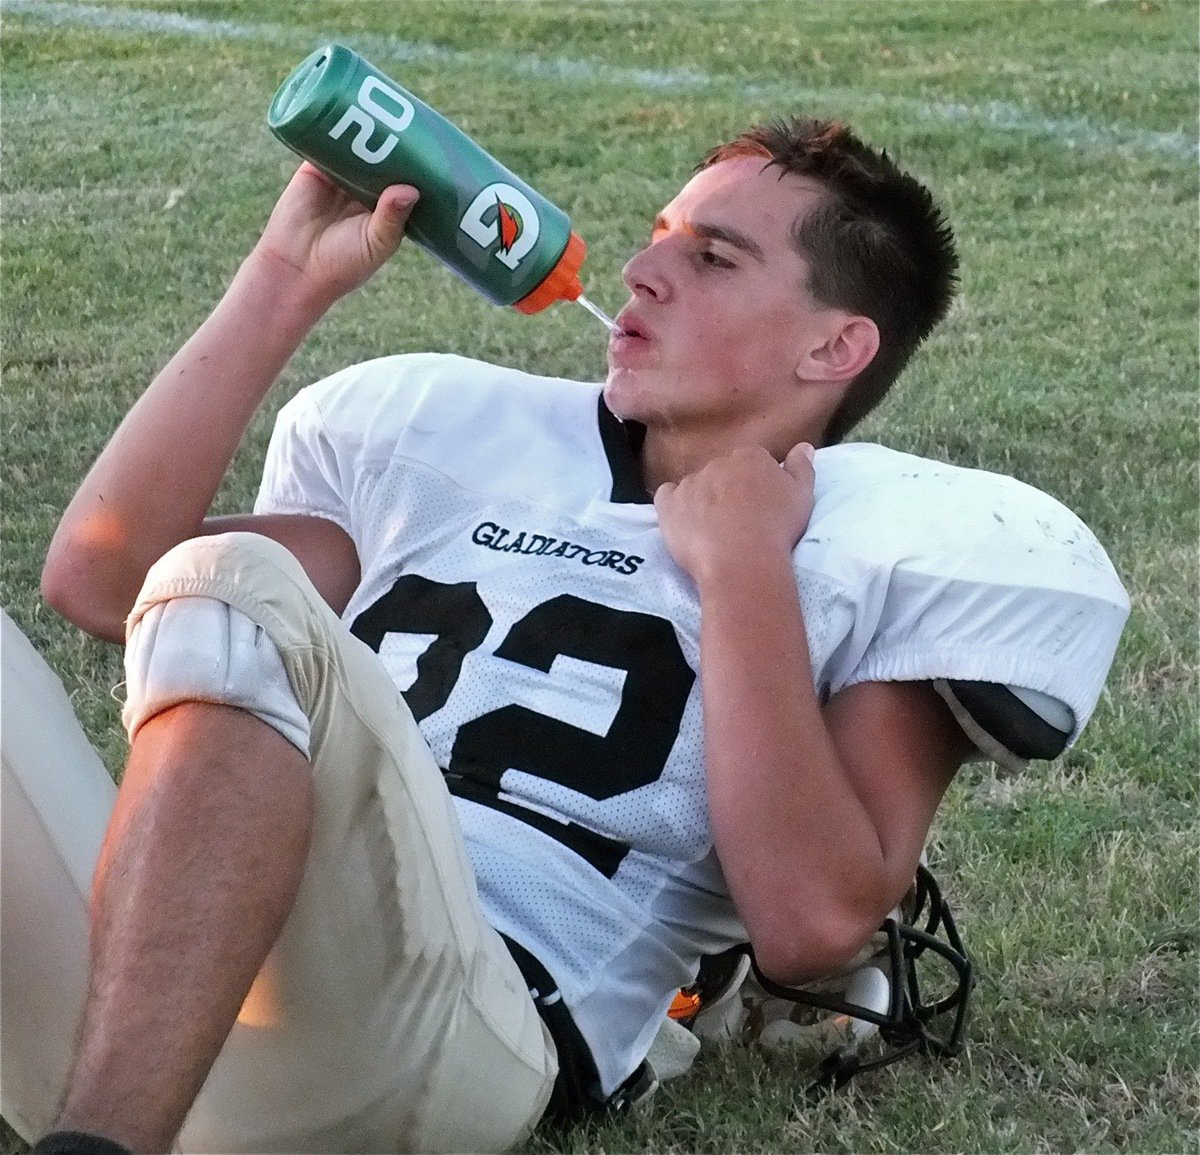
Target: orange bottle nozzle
(562,283)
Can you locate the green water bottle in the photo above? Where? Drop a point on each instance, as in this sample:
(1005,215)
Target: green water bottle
(366,132)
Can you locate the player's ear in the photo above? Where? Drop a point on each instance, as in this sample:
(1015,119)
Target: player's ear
(845,349)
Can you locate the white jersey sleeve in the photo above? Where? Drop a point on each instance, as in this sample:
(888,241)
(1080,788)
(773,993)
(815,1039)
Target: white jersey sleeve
(339,444)
(962,574)
(304,473)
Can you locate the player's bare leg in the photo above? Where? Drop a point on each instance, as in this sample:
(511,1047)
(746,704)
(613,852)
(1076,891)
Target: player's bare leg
(199,870)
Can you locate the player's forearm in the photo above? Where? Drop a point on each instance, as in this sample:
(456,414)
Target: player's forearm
(154,482)
(800,854)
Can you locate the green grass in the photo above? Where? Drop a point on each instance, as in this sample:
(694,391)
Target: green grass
(137,169)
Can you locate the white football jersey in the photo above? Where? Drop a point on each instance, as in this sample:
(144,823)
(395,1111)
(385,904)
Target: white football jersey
(516,586)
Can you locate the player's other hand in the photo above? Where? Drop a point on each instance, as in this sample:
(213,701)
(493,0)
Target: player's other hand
(324,242)
(736,509)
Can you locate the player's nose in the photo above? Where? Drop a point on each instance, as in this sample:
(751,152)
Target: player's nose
(645,274)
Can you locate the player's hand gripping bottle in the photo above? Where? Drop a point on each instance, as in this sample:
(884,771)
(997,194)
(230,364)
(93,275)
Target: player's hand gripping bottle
(366,132)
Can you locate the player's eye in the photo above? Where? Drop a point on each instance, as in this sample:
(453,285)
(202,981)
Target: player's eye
(715,260)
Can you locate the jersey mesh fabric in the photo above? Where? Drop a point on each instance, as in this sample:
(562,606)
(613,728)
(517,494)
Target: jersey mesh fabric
(549,647)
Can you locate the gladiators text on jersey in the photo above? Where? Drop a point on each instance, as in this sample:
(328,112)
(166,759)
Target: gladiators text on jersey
(501,539)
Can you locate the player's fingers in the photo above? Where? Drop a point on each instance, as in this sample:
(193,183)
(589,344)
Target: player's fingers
(662,496)
(386,227)
(799,461)
(311,172)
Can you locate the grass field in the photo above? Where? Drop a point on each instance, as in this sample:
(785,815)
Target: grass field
(137,169)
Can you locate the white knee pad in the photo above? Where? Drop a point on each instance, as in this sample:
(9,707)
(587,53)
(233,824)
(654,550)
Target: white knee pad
(196,649)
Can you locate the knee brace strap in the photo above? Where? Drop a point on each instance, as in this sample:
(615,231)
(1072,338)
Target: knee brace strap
(197,649)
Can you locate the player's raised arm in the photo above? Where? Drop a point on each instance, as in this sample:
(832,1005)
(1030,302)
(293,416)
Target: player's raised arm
(154,483)
(819,815)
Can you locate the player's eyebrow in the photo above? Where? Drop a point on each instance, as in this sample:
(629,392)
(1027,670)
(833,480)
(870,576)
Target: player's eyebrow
(738,240)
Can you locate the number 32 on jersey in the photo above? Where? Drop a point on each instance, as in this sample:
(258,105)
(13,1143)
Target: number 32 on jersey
(633,752)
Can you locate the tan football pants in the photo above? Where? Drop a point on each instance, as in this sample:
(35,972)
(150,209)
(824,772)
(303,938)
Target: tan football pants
(389,1016)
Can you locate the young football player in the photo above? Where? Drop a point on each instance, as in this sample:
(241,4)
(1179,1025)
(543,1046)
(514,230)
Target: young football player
(515,696)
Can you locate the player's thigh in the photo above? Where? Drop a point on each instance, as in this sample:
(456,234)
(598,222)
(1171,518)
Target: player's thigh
(55,799)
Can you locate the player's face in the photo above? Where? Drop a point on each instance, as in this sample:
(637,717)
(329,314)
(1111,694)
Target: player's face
(720,312)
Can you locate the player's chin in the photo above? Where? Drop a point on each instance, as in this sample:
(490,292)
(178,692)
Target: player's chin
(622,391)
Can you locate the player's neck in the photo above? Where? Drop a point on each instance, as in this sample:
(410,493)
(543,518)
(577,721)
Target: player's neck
(671,453)
(663,460)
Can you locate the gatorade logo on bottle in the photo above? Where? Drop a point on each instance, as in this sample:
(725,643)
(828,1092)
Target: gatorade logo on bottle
(503,216)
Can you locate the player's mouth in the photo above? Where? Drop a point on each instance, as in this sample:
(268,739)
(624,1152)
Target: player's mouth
(630,335)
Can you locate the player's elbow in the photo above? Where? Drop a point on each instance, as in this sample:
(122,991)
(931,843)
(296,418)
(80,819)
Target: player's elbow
(813,945)
(66,589)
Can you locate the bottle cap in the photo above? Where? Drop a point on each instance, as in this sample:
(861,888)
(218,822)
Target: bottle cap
(561,283)
(310,93)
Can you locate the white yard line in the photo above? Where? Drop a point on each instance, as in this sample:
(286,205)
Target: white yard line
(1073,132)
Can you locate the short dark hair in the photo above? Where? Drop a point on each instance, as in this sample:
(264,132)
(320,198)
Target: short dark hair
(877,244)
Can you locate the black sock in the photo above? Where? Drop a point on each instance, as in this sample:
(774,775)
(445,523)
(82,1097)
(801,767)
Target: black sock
(77,1143)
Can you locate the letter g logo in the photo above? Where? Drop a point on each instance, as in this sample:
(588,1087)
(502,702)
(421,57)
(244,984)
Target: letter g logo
(502,213)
